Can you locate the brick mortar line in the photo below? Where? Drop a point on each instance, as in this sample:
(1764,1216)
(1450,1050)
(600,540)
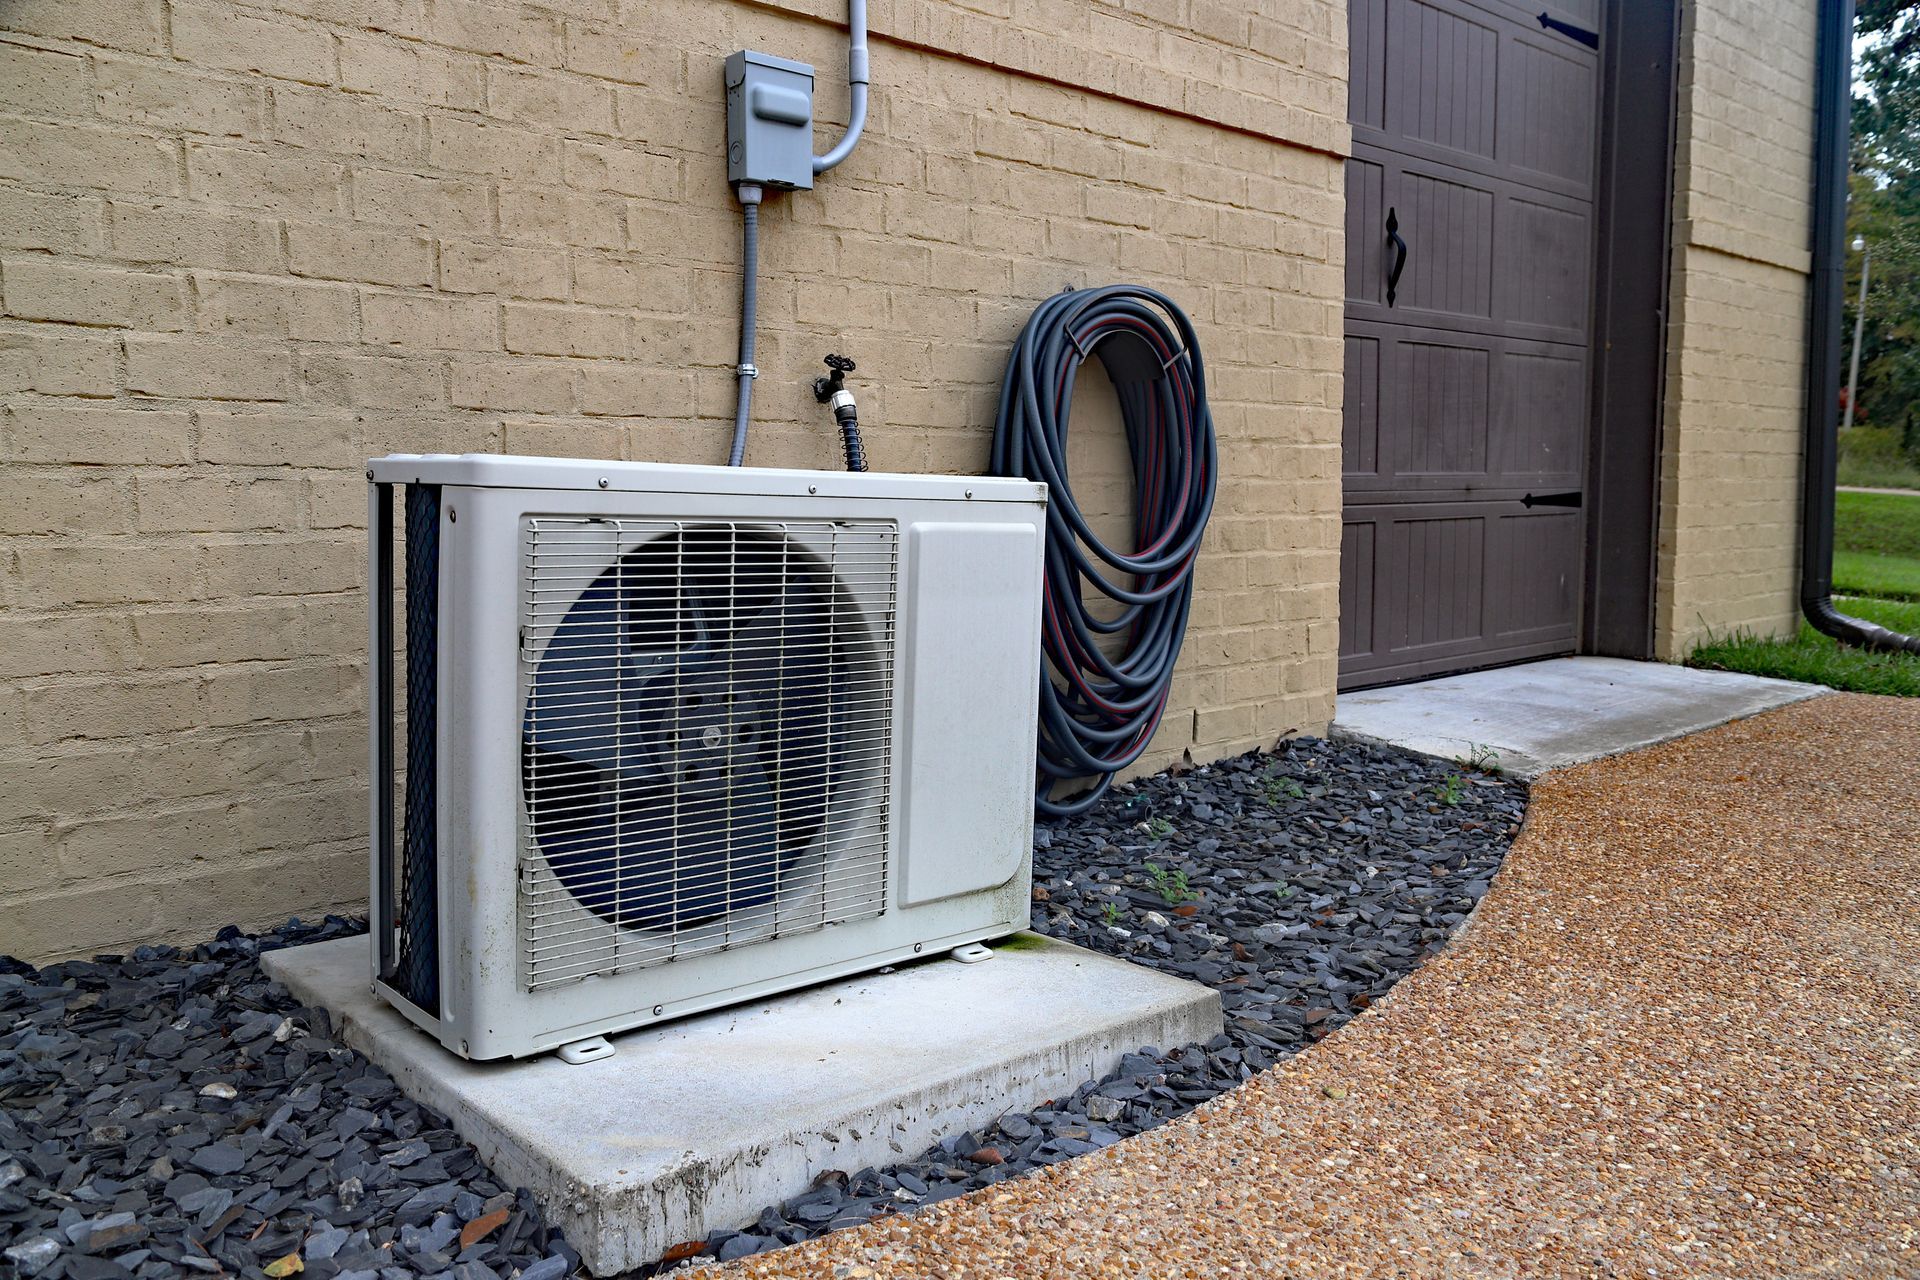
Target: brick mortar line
(170,876)
(207,802)
(211,801)
(786,8)
(299,663)
(425,111)
(1712,243)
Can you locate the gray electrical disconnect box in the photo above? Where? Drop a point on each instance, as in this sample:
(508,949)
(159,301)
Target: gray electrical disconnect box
(769,121)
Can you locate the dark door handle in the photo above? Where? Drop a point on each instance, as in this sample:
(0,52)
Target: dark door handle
(1399,255)
(1591,39)
(1570,499)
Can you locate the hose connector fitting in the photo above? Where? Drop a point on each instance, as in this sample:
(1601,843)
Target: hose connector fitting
(831,390)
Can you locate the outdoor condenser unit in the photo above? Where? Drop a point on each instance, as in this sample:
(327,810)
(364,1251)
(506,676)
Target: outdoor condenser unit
(653,739)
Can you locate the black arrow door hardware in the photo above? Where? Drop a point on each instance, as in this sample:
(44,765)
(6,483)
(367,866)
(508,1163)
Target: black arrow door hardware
(1569,499)
(1399,255)
(1591,39)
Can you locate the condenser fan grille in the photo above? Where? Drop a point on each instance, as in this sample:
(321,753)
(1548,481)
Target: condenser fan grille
(706,735)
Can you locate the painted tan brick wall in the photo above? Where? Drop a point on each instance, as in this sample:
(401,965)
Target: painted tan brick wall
(244,246)
(1730,465)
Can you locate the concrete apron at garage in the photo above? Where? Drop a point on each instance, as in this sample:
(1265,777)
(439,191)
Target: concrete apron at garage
(1543,715)
(699,1124)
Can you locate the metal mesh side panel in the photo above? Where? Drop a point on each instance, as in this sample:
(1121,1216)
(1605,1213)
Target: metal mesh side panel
(419,967)
(706,737)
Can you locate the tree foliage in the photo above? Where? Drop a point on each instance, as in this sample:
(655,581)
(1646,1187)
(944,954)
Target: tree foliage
(1886,116)
(1885,211)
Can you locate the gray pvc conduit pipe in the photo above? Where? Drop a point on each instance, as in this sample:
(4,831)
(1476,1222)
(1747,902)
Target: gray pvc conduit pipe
(856,88)
(750,195)
(1833,112)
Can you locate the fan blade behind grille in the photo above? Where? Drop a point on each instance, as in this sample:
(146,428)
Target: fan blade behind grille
(678,741)
(654,857)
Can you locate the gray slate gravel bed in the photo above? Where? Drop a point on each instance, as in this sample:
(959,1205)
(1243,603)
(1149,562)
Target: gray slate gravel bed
(173,1112)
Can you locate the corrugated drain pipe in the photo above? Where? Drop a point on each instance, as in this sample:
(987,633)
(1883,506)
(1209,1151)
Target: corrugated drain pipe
(1834,109)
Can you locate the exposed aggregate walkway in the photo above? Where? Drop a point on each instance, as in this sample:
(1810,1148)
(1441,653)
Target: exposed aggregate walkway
(1680,1037)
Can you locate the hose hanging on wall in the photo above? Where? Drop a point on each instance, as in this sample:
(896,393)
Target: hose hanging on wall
(1099,709)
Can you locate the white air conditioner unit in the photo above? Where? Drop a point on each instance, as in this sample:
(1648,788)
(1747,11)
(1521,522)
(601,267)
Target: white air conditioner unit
(648,739)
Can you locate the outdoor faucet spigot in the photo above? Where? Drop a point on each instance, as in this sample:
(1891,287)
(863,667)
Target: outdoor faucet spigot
(831,389)
(825,387)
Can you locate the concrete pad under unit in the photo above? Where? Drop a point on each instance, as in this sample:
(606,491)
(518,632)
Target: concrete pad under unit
(699,1124)
(1544,715)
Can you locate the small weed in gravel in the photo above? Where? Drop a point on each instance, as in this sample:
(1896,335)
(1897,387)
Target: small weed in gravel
(1171,885)
(1279,790)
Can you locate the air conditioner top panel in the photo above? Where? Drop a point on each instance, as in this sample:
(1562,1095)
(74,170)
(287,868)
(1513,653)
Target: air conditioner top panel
(498,471)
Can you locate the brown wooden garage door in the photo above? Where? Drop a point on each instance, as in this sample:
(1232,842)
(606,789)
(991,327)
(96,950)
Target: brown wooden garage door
(1467,391)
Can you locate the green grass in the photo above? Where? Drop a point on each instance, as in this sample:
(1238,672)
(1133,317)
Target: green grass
(1876,575)
(1819,659)
(1877,545)
(1878,475)
(1871,457)
(1882,524)
(1857,573)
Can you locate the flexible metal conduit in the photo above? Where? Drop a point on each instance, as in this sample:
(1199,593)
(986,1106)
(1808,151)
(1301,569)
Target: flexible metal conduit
(1105,709)
(1833,112)
(749,195)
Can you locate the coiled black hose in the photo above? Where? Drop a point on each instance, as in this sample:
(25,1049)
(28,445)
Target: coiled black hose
(850,441)
(1098,711)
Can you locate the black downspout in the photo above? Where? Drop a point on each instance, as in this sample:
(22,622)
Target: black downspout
(1833,108)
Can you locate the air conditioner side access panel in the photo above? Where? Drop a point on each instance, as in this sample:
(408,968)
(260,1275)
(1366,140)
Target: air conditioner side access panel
(968,680)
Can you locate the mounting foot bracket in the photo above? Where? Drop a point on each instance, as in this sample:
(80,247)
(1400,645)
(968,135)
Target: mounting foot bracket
(971,953)
(583,1051)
